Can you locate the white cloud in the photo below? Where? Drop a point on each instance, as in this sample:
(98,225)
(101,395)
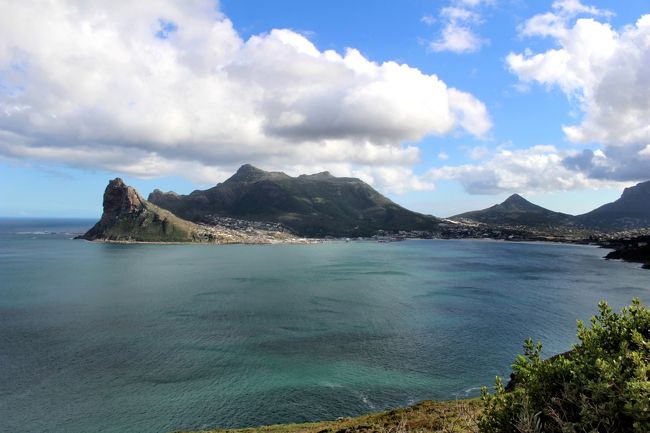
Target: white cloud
(429,20)
(90,84)
(478,152)
(555,23)
(539,168)
(457,33)
(606,72)
(458,39)
(473,3)
(645,152)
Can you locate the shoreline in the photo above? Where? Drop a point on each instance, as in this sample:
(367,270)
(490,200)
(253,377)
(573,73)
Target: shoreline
(312,241)
(458,415)
(309,241)
(301,241)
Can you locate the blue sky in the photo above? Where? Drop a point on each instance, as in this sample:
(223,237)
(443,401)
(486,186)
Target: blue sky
(445,106)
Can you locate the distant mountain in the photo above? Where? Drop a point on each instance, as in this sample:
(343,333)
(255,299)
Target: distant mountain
(311,205)
(129,217)
(631,211)
(517,211)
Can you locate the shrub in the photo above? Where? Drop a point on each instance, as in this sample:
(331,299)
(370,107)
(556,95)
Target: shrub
(601,385)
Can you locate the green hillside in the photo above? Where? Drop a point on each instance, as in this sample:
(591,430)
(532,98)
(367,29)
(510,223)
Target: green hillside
(312,205)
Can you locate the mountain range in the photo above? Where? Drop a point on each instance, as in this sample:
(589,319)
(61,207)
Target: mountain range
(631,211)
(256,205)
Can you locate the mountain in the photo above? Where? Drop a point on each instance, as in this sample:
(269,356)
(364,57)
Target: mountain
(128,217)
(517,211)
(310,205)
(630,211)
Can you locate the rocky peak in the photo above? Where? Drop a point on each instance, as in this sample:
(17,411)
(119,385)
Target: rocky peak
(120,199)
(248,173)
(516,200)
(248,168)
(637,192)
(321,175)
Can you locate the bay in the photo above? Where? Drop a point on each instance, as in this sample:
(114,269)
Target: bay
(154,338)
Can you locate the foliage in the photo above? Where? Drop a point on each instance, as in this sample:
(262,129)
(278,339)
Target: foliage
(602,385)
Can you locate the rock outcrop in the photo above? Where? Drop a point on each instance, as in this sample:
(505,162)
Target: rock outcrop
(129,217)
(631,250)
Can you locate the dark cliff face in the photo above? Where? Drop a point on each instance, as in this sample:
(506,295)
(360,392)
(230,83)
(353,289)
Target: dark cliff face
(311,205)
(631,210)
(120,199)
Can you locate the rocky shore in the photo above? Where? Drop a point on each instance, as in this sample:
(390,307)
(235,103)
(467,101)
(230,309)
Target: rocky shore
(635,249)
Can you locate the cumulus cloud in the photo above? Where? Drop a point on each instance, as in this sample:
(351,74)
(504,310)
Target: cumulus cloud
(606,72)
(170,87)
(536,169)
(457,33)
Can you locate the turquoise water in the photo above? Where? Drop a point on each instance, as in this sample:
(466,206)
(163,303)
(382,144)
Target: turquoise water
(156,338)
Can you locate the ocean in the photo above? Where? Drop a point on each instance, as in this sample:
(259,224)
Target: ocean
(157,338)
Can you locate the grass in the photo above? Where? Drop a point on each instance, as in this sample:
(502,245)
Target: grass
(458,416)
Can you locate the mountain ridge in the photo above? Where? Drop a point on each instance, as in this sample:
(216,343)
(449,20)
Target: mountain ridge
(516,210)
(629,212)
(314,205)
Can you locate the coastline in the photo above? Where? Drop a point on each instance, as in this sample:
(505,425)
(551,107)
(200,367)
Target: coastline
(427,416)
(300,241)
(311,241)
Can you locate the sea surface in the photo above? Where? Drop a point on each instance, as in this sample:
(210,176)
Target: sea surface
(156,338)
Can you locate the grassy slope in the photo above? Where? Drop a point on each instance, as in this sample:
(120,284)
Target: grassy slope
(154,225)
(427,417)
(314,205)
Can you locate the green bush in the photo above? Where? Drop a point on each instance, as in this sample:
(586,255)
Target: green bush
(601,385)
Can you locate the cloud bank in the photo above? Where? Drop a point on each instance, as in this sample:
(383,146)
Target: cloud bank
(536,169)
(606,72)
(170,87)
(603,71)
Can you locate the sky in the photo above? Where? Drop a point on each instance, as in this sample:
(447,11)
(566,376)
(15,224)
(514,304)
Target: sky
(444,106)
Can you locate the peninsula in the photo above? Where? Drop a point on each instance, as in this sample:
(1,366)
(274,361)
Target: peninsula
(127,217)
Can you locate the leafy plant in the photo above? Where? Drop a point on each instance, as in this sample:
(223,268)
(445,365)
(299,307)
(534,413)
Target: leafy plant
(601,385)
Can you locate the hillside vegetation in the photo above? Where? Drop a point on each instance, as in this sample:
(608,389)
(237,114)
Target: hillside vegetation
(602,385)
(314,205)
